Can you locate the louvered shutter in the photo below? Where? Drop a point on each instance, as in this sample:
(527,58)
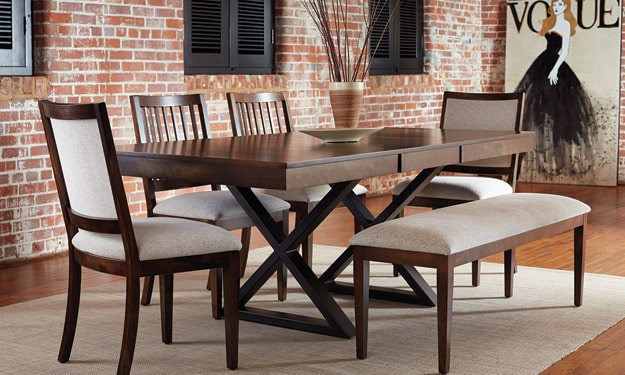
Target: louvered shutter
(15,38)
(228,37)
(411,36)
(400,48)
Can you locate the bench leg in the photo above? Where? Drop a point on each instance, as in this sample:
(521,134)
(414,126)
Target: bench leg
(579,244)
(445,296)
(508,265)
(361,302)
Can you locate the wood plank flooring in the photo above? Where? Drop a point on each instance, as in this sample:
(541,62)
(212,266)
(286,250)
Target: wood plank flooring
(605,248)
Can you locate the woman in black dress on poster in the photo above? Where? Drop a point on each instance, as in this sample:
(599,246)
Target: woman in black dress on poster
(557,107)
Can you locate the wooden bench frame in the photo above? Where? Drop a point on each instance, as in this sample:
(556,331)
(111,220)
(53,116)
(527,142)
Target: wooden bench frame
(445,264)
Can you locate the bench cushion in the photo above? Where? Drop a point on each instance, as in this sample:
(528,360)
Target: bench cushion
(464,226)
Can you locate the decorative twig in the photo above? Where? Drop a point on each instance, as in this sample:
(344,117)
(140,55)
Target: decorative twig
(331,17)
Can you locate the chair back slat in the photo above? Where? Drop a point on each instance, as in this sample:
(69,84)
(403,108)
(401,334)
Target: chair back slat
(259,113)
(169,118)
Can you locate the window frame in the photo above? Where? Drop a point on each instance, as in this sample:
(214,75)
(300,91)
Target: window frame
(394,63)
(17,60)
(227,58)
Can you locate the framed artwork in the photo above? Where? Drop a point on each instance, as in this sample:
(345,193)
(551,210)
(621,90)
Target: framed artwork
(566,56)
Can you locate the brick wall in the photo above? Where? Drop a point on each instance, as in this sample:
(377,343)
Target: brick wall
(94,50)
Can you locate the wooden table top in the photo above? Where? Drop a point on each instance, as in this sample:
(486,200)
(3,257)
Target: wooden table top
(295,160)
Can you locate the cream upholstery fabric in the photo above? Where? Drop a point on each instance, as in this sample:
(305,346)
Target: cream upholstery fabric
(311,194)
(84,167)
(482,115)
(460,187)
(159,238)
(215,205)
(456,228)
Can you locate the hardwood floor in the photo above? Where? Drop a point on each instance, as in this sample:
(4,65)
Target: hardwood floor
(605,246)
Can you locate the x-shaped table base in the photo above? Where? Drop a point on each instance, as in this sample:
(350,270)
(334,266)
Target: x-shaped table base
(335,322)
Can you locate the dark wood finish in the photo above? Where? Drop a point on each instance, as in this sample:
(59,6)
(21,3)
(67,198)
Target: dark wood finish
(605,354)
(268,113)
(132,268)
(294,160)
(166,118)
(259,113)
(445,264)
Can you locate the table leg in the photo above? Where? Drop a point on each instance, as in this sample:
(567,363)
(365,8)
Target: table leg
(422,293)
(335,321)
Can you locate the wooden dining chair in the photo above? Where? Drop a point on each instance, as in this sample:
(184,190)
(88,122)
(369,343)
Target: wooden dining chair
(480,179)
(102,235)
(268,113)
(185,117)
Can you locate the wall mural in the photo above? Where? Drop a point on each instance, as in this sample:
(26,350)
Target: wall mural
(565,55)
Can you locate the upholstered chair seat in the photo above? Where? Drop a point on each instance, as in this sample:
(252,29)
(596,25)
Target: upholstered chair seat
(159,238)
(216,206)
(310,194)
(467,188)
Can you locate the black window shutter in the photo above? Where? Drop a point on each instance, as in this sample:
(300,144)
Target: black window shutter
(16,57)
(400,49)
(411,36)
(253,41)
(206,35)
(228,37)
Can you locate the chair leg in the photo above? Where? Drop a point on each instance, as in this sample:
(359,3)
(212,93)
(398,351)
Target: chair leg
(131,323)
(445,295)
(476,266)
(166,289)
(508,265)
(231,310)
(361,302)
(215,277)
(307,245)
(148,286)
(282,283)
(71,311)
(246,236)
(282,270)
(357,225)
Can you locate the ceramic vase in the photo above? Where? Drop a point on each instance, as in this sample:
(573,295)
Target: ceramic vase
(346,100)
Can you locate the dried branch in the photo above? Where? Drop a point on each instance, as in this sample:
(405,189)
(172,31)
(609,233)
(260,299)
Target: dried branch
(332,19)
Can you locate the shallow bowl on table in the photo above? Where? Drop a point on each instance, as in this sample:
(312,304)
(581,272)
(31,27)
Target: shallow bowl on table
(334,135)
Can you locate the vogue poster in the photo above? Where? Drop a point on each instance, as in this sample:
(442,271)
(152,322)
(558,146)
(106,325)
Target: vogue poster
(565,55)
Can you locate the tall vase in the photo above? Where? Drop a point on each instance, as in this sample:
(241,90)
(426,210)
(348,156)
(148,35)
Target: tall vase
(346,100)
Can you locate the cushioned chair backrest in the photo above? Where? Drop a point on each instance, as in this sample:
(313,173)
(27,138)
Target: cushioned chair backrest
(78,143)
(83,158)
(483,111)
(259,113)
(84,167)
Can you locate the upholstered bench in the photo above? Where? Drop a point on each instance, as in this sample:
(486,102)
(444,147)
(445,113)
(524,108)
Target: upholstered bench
(455,235)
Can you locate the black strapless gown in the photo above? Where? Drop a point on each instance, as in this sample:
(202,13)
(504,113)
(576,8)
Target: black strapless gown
(562,115)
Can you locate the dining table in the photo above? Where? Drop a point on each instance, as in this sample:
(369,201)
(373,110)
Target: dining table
(297,160)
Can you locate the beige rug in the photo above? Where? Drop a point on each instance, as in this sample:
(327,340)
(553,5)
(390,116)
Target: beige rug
(491,334)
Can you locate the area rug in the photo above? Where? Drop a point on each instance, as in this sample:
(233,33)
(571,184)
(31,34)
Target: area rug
(491,334)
